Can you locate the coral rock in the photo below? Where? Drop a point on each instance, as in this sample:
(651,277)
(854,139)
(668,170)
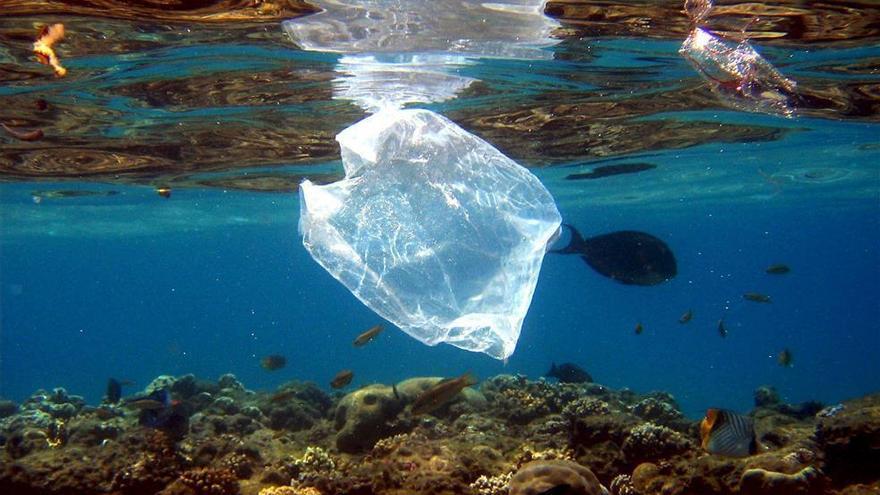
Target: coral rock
(648,441)
(850,440)
(808,481)
(540,476)
(364,416)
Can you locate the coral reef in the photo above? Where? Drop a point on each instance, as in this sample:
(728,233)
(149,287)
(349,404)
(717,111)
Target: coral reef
(513,435)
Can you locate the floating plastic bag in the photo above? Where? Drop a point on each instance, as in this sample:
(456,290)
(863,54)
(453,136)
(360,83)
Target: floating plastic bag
(433,229)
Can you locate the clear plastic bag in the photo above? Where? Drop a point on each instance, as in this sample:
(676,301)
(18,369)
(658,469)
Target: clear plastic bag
(433,229)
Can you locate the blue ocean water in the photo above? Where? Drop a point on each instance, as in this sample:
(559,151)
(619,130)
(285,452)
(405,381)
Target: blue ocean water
(133,286)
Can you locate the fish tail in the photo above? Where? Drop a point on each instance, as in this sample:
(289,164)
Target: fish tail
(574,242)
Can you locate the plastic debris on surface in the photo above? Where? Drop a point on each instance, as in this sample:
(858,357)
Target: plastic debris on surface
(736,73)
(399,52)
(433,229)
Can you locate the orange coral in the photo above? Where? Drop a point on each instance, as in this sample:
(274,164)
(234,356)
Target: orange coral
(49,35)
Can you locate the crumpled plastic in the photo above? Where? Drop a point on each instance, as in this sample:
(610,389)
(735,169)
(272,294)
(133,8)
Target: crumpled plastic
(735,72)
(399,52)
(433,229)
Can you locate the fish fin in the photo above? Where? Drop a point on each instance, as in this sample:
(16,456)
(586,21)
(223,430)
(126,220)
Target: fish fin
(574,243)
(394,389)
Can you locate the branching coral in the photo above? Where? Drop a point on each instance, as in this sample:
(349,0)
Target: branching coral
(208,481)
(649,441)
(622,485)
(491,485)
(586,406)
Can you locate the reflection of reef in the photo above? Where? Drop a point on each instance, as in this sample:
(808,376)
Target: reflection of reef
(152,101)
(263,182)
(564,131)
(789,20)
(169,10)
(511,434)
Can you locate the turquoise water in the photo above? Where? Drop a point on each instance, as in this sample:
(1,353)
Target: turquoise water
(207,282)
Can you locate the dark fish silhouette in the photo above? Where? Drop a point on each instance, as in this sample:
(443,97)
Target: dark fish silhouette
(639,328)
(114,390)
(785,358)
(686,317)
(609,170)
(778,269)
(727,433)
(722,330)
(569,373)
(273,362)
(756,297)
(629,257)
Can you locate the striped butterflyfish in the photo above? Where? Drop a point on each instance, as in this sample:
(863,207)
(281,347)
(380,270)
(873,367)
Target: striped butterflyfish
(727,433)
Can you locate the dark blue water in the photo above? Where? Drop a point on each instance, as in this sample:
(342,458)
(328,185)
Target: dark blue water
(215,299)
(134,286)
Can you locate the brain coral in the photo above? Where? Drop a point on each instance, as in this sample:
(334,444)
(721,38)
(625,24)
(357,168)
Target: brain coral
(566,477)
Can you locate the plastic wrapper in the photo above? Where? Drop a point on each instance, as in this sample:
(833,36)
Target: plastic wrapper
(506,28)
(399,52)
(433,229)
(736,73)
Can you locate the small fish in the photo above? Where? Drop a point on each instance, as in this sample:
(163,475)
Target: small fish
(158,399)
(273,362)
(23,135)
(831,411)
(282,395)
(41,104)
(114,391)
(50,35)
(778,269)
(784,358)
(165,192)
(686,317)
(342,379)
(727,433)
(367,336)
(569,373)
(756,297)
(105,413)
(441,393)
(639,328)
(722,330)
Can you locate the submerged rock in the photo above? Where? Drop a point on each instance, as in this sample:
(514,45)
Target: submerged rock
(555,476)
(807,481)
(366,415)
